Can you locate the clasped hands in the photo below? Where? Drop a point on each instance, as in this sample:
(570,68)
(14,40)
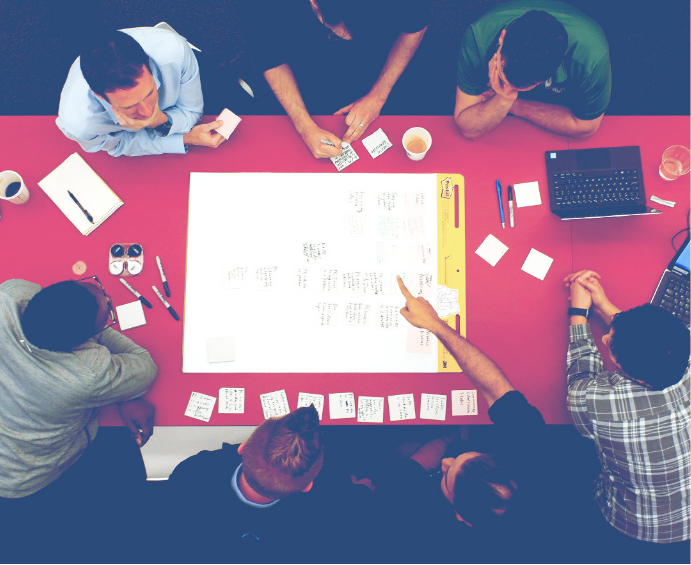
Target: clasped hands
(586,291)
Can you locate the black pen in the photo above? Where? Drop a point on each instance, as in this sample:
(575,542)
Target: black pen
(88,216)
(166,288)
(165,303)
(143,300)
(510,205)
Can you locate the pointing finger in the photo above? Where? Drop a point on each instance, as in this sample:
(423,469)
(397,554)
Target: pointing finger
(404,289)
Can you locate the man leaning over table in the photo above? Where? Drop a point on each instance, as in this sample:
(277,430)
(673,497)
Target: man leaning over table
(136,92)
(638,415)
(540,60)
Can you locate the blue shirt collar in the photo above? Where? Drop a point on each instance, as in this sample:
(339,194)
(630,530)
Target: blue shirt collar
(238,492)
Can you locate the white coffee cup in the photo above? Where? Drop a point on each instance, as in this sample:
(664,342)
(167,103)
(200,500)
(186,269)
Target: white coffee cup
(7,178)
(421,141)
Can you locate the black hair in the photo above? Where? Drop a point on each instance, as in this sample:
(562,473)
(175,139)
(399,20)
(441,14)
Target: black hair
(60,317)
(651,345)
(483,490)
(112,61)
(533,48)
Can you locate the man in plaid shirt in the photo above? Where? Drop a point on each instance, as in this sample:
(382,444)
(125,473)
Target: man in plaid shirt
(638,415)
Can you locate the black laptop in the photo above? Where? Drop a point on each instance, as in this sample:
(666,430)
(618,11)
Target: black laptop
(596,183)
(672,292)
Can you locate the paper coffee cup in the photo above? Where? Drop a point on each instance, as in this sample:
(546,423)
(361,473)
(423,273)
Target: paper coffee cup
(417,142)
(12,188)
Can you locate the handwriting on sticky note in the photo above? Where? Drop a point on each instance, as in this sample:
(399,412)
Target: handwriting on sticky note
(388,316)
(351,282)
(386,201)
(420,340)
(385,252)
(356,200)
(328,280)
(401,407)
(447,301)
(370,409)
(316,400)
(433,406)
(313,251)
(464,402)
(298,279)
(355,225)
(346,158)
(537,264)
(389,227)
(491,250)
(372,283)
(231,401)
(415,202)
(341,405)
(527,194)
(377,143)
(200,406)
(275,404)
(265,278)
(420,253)
(326,313)
(413,228)
(356,314)
(235,277)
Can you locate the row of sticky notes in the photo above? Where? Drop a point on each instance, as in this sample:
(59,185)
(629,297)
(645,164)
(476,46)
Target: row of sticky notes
(375,144)
(536,264)
(341,405)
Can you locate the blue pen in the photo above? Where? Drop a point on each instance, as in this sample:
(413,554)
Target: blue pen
(501,208)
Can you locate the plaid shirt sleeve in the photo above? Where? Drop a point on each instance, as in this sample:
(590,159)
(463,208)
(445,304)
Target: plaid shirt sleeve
(583,364)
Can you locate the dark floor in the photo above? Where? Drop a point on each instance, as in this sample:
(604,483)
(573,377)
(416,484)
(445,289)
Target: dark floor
(649,44)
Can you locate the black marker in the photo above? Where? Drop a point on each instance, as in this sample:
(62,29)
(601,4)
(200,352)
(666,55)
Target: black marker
(143,300)
(166,288)
(165,303)
(88,216)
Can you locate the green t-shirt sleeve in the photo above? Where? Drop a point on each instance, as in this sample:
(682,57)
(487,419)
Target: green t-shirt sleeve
(472,71)
(594,91)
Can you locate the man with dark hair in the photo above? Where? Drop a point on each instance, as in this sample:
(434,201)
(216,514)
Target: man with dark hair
(637,415)
(546,63)
(136,92)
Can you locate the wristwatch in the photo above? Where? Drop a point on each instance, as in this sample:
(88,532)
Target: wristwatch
(578,312)
(164,129)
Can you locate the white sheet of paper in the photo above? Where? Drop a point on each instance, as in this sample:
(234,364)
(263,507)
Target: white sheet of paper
(220,349)
(491,250)
(341,405)
(401,407)
(130,315)
(447,301)
(308,399)
(464,402)
(527,194)
(346,158)
(200,406)
(433,406)
(377,143)
(370,409)
(230,122)
(537,264)
(231,401)
(275,404)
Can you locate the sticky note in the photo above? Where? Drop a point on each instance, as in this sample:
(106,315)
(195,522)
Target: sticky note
(235,277)
(401,407)
(433,406)
(275,404)
(200,406)
(341,405)
(537,264)
(464,402)
(527,194)
(377,143)
(370,409)
(231,401)
(130,315)
(220,349)
(420,340)
(491,250)
(230,122)
(346,158)
(316,400)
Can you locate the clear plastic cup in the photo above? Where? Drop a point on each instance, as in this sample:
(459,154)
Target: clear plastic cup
(676,162)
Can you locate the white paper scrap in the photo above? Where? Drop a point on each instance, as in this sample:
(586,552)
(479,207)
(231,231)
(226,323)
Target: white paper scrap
(341,405)
(527,194)
(370,409)
(377,143)
(433,406)
(537,264)
(447,301)
(130,315)
(347,157)
(275,404)
(316,400)
(220,349)
(491,250)
(231,401)
(200,406)
(464,402)
(230,122)
(401,407)
(663,202)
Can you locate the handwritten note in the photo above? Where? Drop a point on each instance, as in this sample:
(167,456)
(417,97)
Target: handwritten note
(370,409)
(377,143)
(314,251)
(386,252)
(346,158)
(420,341)
(420,254)
(265,278)
(351,282)
(388,227)
(372,283)
(447,301)
(275,404)
(356,200)
(307,399)
(413,228)
(235,277)
(420,284)
(326,313)
(415,202)
(298,279)
(388,316)
(464,402)
(355,225)
(200,406)
(341,405)
(401,407)
(231,401)
(386,201)
(433,406)
(328,280)
(356,314)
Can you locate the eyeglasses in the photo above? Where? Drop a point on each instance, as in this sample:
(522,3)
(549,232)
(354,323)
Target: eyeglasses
(112,318)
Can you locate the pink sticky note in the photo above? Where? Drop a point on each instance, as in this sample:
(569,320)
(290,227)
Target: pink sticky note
(230,122)
(420,341)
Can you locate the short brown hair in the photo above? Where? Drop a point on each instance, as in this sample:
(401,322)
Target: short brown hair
(284,455)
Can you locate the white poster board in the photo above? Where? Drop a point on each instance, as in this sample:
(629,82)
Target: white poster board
(299,270)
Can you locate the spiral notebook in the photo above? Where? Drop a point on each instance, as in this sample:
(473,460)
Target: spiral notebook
(93,195)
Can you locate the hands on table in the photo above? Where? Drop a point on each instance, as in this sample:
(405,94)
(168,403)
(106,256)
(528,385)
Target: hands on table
(313,136)
(360,114)
(205,135)
(585,288)
(138,416)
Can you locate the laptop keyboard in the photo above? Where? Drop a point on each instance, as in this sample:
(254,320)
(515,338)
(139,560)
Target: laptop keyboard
(676,299)
(596,187)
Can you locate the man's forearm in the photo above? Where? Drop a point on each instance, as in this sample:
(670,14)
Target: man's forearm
(400,55)
(482,118)
(553,117)
(282,81)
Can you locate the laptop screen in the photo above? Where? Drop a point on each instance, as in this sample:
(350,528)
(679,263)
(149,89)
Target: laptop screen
(684,257)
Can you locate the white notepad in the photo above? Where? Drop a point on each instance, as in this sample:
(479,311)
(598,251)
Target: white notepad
(95,196)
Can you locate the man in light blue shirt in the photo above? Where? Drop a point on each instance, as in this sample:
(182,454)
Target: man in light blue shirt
(136,92)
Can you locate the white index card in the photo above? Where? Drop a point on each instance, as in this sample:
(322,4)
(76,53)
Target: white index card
(316,400)
(370,409)
(130,315)
(433,406)
(401,407)
(341,405)
(537,264)
(200,406)
(231,401)
(491,250)
(347,157)
(527,194)
(464,402)
(377,143)
(275,404)
(230,122)
(220,349)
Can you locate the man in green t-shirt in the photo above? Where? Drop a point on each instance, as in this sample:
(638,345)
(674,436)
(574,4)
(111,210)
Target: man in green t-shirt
(541,60)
